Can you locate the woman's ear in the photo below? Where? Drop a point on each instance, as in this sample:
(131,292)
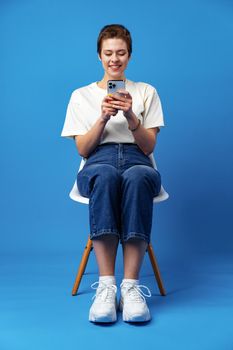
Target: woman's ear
(99,57)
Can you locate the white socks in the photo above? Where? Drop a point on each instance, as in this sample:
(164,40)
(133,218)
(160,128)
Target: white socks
(107,280)
(130,280)
(112,280)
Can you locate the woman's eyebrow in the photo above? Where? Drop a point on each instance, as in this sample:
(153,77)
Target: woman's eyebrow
(106,50)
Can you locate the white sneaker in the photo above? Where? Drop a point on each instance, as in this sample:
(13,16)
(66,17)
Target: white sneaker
(133,304)
(104,306)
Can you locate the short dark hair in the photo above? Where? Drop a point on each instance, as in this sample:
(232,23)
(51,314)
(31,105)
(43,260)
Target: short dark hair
(114,31)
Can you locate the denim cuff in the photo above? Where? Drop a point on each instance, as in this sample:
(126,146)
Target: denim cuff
(99,233)
(127,237)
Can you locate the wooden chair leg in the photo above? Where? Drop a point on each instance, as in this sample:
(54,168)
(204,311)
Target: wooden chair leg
(85,258)
(82,266)
(156,269)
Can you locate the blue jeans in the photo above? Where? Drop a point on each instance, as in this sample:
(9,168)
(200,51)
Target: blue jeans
(120,182)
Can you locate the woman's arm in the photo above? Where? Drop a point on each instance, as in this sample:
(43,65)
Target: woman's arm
(144,138)
(88,142)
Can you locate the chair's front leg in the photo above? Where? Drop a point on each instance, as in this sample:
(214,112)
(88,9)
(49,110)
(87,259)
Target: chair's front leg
(82,266)
(156,269)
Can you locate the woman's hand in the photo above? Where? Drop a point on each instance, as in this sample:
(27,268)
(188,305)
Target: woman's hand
(122,100)
(107,109)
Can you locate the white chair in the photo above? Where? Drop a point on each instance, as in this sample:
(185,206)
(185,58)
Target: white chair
(76,196)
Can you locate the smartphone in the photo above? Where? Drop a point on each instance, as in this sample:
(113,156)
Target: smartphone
(114,85)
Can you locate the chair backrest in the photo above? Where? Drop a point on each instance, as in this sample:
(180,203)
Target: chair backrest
(76,196)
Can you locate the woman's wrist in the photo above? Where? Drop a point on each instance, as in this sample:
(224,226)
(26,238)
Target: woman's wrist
(130,115)
(104,118)
(133,122)
(132,129)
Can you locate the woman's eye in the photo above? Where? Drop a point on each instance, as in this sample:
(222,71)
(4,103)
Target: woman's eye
(120,54)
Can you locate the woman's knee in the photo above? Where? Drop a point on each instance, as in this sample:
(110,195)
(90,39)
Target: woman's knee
(107,175)
(140,173)
(100,175)
(142,176)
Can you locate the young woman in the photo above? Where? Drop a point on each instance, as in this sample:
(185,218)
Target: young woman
(116,133)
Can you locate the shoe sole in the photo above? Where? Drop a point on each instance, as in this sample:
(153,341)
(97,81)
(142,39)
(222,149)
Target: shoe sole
(136,318)
(102,319)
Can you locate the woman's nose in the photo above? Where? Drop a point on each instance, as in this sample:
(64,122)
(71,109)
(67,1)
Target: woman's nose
(114,57)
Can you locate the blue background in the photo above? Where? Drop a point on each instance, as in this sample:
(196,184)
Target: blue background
(48,49)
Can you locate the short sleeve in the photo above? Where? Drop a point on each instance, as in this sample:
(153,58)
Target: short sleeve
(152,114)
(74,124)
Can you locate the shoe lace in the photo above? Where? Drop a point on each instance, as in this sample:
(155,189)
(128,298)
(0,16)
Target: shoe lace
(105,292)
(135,292)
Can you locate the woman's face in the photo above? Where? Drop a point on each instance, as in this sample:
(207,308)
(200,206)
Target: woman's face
(115,57)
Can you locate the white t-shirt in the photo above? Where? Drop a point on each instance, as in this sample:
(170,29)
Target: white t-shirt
(84,108)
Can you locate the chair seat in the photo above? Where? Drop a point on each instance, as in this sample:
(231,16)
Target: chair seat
(76,196)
